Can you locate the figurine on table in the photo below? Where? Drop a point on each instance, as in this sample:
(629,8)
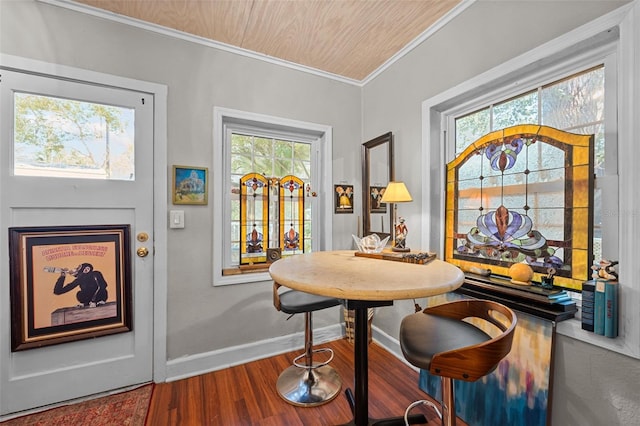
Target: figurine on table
(401,236)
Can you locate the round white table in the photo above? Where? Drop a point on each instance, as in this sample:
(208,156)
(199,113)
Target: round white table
(363,283)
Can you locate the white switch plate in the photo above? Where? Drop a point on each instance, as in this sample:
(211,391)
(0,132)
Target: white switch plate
(176,219)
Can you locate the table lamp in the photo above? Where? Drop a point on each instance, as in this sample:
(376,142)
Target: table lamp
(396,192)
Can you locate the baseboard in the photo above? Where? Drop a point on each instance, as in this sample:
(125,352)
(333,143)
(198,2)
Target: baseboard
(189,366)
(391,344)
(194,365)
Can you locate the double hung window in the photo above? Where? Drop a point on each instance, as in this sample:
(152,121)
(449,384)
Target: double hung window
(538,199)
(271,173)
(270,197)
(602,50)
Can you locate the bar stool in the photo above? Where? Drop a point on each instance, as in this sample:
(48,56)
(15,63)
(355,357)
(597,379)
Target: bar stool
(438,340)
(307,383)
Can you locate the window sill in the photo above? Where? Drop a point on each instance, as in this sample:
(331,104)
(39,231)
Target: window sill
(246,269)
(573,328)
(232,276)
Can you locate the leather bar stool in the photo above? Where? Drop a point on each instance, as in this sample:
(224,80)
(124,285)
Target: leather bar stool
(307,383)
(438,340)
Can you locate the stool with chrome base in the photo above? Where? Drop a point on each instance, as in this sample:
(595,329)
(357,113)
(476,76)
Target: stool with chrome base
(309,383)
(438,340)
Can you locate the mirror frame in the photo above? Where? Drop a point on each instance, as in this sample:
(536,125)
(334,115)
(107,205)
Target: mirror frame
(387,138)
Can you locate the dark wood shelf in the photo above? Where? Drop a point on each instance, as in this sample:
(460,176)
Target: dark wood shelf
(544,303)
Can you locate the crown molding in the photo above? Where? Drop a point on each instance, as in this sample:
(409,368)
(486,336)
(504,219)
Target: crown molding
(440,23)
(111,16)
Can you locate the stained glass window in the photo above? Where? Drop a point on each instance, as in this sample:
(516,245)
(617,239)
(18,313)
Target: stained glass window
(272,215)
(254,214)
(523,194)
(291,214)
(271,179)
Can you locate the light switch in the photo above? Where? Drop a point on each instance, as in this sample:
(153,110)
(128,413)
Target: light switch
(176,219)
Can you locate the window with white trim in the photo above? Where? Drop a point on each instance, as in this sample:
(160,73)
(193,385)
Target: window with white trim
(610,40)
(577,94)
(266,214)
(574,103)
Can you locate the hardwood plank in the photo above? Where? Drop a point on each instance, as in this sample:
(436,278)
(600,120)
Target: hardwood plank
(246,394)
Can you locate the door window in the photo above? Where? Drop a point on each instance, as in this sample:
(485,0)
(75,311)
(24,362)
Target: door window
(57,137)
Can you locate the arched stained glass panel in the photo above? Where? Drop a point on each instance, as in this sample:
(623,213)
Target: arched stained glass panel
(523,194)
(254,218)
(292,214)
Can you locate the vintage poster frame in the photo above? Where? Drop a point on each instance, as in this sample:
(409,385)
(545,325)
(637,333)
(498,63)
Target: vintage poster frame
(69,283)
(341,192)
(190,185)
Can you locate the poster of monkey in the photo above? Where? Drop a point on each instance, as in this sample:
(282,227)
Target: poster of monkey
(68,283)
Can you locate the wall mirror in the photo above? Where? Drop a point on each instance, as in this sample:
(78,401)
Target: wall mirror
(377,171)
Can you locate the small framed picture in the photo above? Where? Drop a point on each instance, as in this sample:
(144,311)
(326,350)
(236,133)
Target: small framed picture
(343,198)
(68,283)
(190,185)
(375,199)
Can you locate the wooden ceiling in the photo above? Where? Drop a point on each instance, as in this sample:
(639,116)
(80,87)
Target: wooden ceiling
(348,38)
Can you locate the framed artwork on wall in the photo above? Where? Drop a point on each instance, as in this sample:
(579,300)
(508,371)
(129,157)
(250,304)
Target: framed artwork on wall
(190,185)
(343,198)
(69,283)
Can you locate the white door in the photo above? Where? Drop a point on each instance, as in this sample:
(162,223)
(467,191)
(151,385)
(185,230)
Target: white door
(88,172)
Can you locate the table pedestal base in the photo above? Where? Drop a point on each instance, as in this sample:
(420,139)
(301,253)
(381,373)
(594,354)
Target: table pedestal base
(414,419)
(359,402)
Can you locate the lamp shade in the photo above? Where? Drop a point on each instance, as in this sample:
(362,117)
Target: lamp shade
(396,192)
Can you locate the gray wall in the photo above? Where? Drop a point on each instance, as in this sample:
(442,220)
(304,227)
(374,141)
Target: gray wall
(201,318)
(592,386)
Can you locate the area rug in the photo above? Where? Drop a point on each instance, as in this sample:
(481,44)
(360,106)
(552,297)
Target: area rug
(122,409)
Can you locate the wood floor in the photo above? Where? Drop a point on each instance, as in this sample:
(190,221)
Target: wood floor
(246,394)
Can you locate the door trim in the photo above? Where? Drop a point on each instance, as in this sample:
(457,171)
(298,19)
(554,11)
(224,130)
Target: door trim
(159,92)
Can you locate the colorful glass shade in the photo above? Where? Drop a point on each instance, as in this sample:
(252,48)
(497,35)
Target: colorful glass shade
(523,194)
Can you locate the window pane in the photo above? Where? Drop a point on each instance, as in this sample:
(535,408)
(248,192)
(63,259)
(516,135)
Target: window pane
(283,149)
(68,138)
(282,167)
(470,128)
(241,164)
(598,131)
(574,101)
(263,147)
(262,165)
(302,151)
(521,110)
(242,144)
(235,209)
(302,169)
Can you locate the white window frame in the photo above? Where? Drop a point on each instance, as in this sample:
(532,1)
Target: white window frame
(575,50)
(226,121)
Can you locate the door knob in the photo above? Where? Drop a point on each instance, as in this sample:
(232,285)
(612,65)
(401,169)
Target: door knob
(142,252)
